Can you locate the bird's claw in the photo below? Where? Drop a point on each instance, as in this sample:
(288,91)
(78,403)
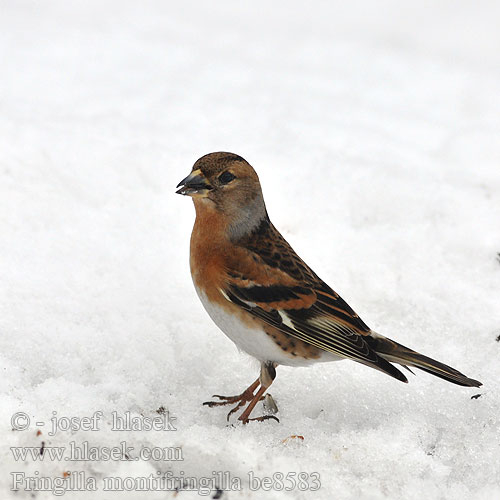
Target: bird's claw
(259,419)
(247,396)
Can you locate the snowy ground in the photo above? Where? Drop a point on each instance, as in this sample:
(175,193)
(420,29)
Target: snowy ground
(375,130)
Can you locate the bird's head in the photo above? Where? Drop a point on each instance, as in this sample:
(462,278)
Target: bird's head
(228,184)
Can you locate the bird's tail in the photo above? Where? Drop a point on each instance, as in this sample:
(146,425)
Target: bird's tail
(397,353)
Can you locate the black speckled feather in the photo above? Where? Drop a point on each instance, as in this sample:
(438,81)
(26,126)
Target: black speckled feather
(326,322)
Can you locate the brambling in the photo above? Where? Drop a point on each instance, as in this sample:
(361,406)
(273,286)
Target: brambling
(265,298)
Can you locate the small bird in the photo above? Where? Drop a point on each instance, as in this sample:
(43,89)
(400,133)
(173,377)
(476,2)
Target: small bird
(265,298)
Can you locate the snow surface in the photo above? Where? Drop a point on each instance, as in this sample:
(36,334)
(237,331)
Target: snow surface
(374,127)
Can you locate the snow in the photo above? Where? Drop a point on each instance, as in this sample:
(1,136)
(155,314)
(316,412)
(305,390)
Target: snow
(375,130)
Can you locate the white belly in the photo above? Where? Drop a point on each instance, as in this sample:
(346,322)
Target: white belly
(255,341)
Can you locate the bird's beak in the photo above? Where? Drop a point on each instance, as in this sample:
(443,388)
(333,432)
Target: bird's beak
(195,184)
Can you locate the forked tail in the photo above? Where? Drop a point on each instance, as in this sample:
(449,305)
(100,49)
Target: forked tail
(397,353)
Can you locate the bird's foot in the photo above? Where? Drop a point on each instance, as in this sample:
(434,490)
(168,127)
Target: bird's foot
(241,399)
(226,400)
(252,395)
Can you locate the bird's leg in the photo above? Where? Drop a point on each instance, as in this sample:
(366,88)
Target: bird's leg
(267,375)
(245,396)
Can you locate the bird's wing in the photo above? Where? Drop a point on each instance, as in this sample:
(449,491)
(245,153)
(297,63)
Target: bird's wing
(270,281)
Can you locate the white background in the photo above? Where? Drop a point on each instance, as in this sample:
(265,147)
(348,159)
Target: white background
(374,127)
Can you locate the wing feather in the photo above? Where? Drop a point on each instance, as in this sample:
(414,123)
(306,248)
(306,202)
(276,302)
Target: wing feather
(270,281)
(313,326)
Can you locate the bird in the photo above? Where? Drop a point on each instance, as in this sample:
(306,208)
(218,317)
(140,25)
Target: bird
(265,298)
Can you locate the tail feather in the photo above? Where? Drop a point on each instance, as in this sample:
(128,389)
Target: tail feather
(397,353)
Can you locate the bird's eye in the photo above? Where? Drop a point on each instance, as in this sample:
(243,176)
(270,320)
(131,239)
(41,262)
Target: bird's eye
(226,177)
